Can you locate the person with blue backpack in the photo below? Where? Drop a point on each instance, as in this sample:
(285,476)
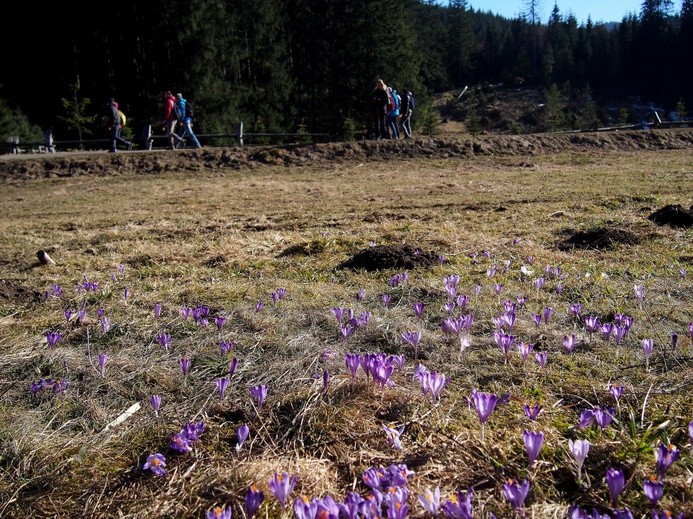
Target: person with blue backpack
(406,109)
(185,115)
(393,113)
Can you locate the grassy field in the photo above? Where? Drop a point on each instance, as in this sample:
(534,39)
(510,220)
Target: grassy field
(254,257)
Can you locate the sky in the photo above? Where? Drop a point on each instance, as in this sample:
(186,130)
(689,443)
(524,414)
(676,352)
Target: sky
(599,10)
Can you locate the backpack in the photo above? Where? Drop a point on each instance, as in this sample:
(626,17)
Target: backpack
(411,101)
(123,119)
(391,101)
(188,110)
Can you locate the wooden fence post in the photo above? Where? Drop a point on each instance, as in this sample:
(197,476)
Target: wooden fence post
(239,133)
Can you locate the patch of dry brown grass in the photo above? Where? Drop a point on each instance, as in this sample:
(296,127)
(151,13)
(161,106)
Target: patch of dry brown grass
(221,241)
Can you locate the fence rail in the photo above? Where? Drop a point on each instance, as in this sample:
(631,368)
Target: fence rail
(148,139)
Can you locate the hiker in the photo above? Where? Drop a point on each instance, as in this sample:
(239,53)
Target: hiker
(170,120)
(379,102)
(406,109)
(116,121)
(393,112)
(185,113)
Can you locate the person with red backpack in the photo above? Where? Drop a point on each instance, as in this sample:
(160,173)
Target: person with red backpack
(170,119)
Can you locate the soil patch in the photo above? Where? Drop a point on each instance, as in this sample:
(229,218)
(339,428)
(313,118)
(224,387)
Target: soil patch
(13,293)
(598,239)
(382,257)
(673,215)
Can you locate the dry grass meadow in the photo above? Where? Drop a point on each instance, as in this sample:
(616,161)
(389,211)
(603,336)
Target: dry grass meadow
(228,240)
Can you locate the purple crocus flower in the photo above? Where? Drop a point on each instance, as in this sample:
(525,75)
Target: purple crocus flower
(531,412)
(219,322)
(418,309)
(674,340)
(360,294)
(616,391)
(616,481)
(259,393)
(386,299)
(537,319)
(258,306)
(639,292)
(155,463)
(68,314)
(653,489)
(690,433)
(539,283)
(180,443)
(516,494)
(226,346)
(103,358)
(591,323)
(305,508)
(219,512)
(579,450)
(242,434)
(533,443)
(184,364)
(459,506)
(105,323)
(430,500)
(53,338)
(484,403)
(541,357)
(126,293)
(222,384)
(498,288)
(412,338)
(155,400)
(157,311)
(665,455)
(647,347)
(619,331)
(164,340)
(352,361)
(548,312)
(233,365)
(281,486)
(253,500)
(525,349)
(575,308)
(569,342)
(393,436)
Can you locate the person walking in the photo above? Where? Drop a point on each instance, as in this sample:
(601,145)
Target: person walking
(170,120)
(185,113)
(379,104)
(406,109)
(115,127)
(393,113)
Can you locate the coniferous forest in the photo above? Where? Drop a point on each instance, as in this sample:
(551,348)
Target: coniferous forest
(310,65)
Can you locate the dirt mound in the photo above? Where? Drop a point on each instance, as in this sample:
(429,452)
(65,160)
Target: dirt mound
(383,257)
(600,238)
(11,292)
(673,215)
(100,163)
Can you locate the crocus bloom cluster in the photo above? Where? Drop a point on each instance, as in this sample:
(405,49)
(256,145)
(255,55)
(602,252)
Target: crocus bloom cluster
(431,382)
(54,385)
(155,463)
(377,366)
(398,279)
(183,440)
(602,417)
(164,340)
